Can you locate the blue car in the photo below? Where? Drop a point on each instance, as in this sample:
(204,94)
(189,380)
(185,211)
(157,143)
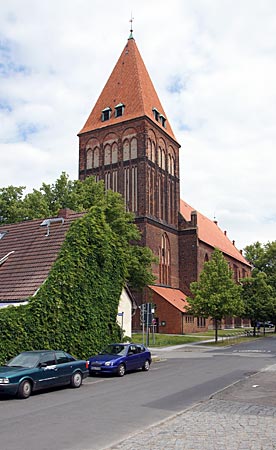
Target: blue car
(119,359)
(41,369)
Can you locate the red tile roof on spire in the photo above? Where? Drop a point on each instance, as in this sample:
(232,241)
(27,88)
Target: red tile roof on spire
(129,84)
(210,233)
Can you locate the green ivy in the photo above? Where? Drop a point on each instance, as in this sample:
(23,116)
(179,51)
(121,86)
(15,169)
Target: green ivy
(76,308)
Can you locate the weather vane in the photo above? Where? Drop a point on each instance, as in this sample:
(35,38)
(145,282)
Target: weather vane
(131,21)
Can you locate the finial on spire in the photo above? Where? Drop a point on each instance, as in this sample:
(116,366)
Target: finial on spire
(131,29)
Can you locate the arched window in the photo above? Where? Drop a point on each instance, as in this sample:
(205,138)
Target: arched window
(126,150)
(165,261)
(89,159)
(114,153)
(107,155)
(133,148)
(149,149)
(206,257)
(96,157)
(163,160)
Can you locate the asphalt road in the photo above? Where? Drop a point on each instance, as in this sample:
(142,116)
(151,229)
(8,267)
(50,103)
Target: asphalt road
(106,410)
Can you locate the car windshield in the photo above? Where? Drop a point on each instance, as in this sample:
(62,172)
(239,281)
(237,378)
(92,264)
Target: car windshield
(114,349)
(26,360)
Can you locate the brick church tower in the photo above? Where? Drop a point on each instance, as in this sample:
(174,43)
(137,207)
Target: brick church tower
(127,141)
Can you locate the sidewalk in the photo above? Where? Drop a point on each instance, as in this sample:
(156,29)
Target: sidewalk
(240,417)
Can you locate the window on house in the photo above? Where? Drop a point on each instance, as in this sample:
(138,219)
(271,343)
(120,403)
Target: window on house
(189,319)
(201,322)
(119,110)
(106,114)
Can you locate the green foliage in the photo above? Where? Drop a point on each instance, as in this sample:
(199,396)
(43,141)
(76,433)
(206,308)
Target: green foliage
(11,204)
(215,295)
(263,285)
(76,308)
(258,299)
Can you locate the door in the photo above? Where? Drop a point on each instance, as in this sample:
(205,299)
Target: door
(48,374)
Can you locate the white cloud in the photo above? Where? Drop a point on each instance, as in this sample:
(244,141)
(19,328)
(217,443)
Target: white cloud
(212,63)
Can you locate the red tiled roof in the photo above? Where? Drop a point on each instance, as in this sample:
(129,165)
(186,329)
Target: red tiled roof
(174,296)
(33,254)
(210,233)
(129,84)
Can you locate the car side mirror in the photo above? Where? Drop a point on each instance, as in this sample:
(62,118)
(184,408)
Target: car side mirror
(42,365)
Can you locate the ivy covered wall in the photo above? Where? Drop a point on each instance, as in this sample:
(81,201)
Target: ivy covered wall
(76,308)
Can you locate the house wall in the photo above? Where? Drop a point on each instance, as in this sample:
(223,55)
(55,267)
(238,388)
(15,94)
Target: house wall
(125,308)
(169,318)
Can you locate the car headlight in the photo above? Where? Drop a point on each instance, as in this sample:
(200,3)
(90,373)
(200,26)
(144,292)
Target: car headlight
(4,381)
(108,363)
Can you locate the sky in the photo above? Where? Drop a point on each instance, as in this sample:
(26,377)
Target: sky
(213,65)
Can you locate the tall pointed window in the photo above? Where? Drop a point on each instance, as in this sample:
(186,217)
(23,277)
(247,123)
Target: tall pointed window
(96,157)
(126,149)
(133,148)
(107,155)
(165,261)
(89,158)
(114,153)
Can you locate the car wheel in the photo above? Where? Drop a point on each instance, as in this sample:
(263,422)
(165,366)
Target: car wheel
(146,365)
(76,380)
(121,370)
(25,389)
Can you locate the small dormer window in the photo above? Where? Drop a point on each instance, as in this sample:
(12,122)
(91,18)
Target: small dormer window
(156,114)
(119,110)
(106,114)
(162,120)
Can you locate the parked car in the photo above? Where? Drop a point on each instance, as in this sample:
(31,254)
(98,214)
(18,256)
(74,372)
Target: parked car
(267,324)
(41,369)
(119,359)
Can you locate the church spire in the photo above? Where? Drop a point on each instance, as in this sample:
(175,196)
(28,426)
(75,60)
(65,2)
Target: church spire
(128,94)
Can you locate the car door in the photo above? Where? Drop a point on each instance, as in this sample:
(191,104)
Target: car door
(133,358)
(65,366)
(48,372)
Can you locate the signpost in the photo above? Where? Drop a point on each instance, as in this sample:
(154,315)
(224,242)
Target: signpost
(147,320)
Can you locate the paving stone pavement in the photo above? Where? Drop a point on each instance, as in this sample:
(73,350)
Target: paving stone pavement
(240,417)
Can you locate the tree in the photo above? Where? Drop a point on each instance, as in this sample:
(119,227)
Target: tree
(215,295)
(257,295)
(263,259)
(80,196)
(11,204)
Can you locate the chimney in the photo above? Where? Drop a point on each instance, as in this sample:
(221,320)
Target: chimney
(233,242)
(194,218)
(225,233)
(65,212)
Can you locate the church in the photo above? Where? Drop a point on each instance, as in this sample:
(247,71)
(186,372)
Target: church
(128,142)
